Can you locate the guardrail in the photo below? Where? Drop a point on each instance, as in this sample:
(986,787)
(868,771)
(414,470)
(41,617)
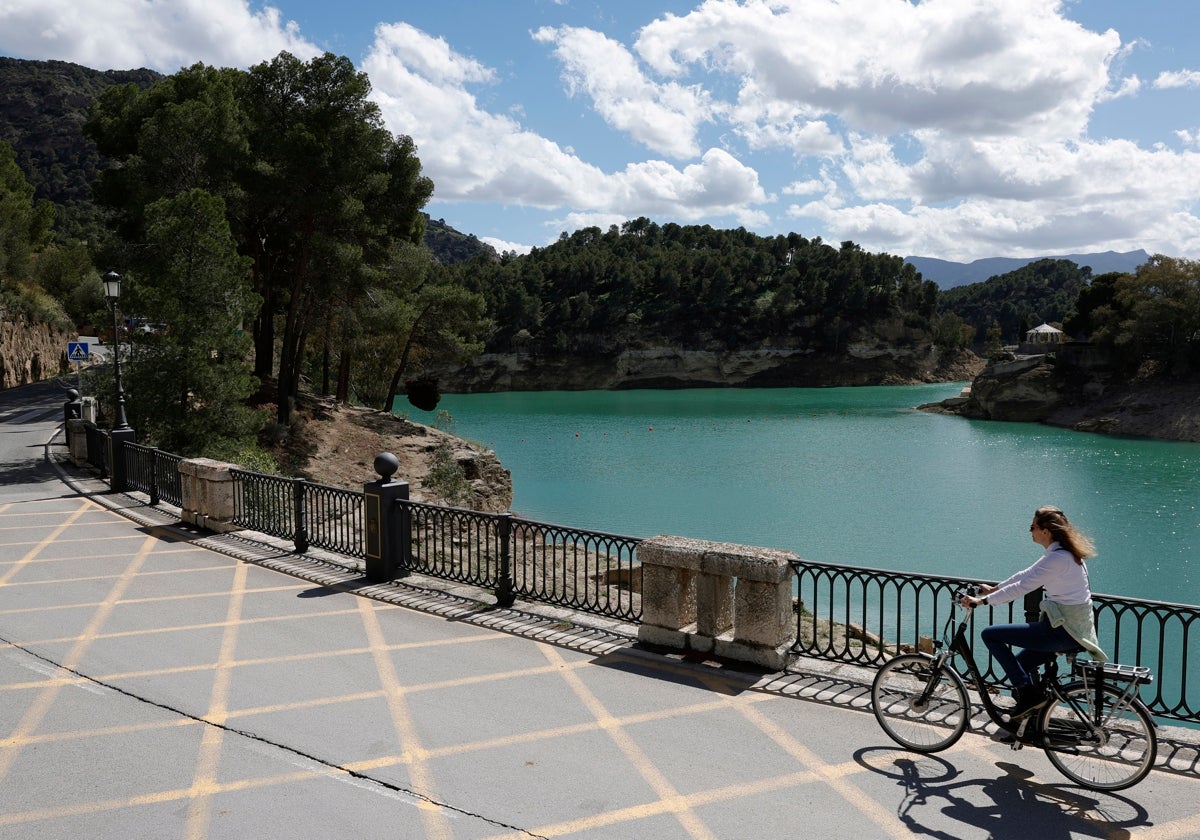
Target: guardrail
(865,616)
(302,511)
(589,571)
(97,448)
(153,472)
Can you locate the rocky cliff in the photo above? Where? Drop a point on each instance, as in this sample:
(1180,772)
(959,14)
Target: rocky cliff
(1075,389)
(30,352)
(862,364)
(337,444)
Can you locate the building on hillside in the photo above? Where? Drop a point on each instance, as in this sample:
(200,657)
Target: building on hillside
(1042,339)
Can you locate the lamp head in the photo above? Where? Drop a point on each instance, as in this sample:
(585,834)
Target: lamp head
(112,286)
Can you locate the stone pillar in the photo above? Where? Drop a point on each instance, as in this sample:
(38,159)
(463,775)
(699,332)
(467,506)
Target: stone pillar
(725,600)
(207,490)
(77,441)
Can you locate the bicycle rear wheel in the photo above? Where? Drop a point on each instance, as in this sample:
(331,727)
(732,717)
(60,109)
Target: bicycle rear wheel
(920,706)
(1103,741)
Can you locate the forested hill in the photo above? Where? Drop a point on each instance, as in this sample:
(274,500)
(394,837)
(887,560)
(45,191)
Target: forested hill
(594,292)
(43,106)
(1045,291)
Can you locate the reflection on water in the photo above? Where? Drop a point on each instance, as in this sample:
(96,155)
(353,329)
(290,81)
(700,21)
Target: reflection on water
(844,475)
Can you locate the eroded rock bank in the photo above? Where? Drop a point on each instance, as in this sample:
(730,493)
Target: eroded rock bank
(1076,388)
(861,364)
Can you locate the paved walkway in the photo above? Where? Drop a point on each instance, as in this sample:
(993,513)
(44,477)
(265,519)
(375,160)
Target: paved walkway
(157,682)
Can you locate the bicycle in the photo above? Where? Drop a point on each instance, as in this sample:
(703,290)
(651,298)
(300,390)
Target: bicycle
(1094,729)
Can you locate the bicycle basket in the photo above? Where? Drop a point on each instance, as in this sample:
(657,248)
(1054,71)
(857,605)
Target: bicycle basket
(1113,671)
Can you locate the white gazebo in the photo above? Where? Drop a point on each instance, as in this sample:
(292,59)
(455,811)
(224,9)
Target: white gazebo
(1045,334)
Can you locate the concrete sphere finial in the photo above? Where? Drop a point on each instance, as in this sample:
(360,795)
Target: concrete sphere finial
(386,464)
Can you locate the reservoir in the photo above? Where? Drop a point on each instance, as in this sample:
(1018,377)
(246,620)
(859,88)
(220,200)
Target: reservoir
(852,476)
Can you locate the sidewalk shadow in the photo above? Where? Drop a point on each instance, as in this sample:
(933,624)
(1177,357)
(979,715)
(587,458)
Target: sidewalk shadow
(1009,807)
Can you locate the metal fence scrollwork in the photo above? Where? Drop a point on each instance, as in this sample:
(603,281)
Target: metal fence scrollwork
(588,571)
(308,514)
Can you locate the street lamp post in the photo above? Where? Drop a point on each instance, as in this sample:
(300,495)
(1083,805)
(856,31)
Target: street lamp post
(112,291)
(121,432)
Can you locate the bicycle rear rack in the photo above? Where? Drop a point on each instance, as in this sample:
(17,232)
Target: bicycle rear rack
(1113,672)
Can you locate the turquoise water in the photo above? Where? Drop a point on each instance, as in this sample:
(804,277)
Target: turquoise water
(845,475)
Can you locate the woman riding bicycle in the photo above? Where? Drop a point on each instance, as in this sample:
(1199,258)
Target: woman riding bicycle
(1066,622)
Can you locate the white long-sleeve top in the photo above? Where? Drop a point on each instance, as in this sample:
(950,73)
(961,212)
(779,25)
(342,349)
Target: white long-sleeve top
(1065,580)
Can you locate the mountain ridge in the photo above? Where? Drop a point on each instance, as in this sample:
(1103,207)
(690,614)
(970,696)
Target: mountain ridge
(948,274)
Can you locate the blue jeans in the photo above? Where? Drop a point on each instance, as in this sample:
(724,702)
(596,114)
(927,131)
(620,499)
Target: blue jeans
(1039,643)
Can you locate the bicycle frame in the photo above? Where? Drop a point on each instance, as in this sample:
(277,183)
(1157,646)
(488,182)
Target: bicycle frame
(1093,728)
(959,646)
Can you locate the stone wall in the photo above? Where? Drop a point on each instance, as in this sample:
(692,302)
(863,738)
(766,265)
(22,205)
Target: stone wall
(30,352)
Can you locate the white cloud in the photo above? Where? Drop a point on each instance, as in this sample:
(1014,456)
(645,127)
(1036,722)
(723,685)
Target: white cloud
(1060,206)
(662,117)
(1177,79)
(112,35)
(970,66)
(474,155)
(503,246)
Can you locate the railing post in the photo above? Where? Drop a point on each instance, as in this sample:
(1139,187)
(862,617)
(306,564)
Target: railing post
(505,588)
(388,540)
(117,439)
(300,537)
(153,476)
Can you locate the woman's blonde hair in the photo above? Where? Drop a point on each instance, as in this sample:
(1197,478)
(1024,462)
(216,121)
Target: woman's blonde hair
(1067,535)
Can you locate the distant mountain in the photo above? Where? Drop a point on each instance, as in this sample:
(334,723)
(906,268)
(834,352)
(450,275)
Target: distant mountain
(950,274)
(43,105)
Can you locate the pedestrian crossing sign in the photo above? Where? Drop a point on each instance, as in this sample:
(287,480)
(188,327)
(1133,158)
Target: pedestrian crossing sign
(77,351)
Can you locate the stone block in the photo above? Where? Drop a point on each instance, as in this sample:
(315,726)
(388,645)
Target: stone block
(207,494)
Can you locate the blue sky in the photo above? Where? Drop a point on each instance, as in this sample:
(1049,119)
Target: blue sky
(957,129)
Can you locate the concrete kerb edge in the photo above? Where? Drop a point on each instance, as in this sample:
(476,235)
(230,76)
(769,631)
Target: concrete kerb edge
(814,680)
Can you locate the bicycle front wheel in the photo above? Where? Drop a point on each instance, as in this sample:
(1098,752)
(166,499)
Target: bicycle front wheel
(919,705)
(1099,738)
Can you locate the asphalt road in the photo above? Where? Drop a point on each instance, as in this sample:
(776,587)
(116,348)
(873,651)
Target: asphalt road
(28,417)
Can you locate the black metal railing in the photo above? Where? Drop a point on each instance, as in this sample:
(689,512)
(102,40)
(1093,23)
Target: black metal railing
(844,613)
(586,570)
(865,616)
(97,448)
(294,509)
(153,472)
(334,517)
(267,504)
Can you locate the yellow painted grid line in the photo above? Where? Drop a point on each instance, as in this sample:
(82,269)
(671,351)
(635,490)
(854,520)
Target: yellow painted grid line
(433,818)
(159,797)
(669,798)
(9,747)
(208,761)
(50,539)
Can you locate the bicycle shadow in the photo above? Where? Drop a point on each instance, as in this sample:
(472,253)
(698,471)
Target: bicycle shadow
(1009,807)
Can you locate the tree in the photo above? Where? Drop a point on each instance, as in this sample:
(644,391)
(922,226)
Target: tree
(1162,299)
(331,190)
(189,372)
(417,315)
(25,224)
(316,191)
